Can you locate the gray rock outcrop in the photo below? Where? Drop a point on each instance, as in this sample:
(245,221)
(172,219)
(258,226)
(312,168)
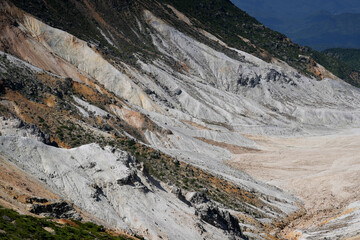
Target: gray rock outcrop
(60,209)
(211,213)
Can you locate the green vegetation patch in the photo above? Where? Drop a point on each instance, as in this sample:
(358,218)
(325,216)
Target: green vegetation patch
(350,56)
(16,226)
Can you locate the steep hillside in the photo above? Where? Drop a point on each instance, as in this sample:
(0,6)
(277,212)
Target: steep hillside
(132,111)
(348,55)
(218,17)
(60,118)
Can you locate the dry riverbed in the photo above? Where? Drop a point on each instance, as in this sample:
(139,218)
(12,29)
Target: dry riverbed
(323,171)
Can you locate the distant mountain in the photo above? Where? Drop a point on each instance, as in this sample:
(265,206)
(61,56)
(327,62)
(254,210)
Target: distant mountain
(318,24)
(323,31)
(282,9)
(350,56)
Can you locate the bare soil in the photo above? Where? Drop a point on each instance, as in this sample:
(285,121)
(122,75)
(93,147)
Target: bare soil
(323,171)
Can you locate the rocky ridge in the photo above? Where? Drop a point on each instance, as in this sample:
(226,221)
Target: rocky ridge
(112,189)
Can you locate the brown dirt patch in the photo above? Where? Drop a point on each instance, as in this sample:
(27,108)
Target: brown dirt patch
(16,186)
(199,126)
(234,149)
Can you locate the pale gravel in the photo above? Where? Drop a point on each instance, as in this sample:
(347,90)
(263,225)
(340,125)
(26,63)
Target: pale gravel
(324,171)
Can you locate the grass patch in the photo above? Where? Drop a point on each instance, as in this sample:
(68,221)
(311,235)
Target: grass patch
(16,226)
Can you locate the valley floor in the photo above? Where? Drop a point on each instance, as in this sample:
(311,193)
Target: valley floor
(324,171)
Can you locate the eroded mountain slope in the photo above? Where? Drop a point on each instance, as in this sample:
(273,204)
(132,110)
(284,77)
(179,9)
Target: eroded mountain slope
(65,110)
(187,94)
(100,182)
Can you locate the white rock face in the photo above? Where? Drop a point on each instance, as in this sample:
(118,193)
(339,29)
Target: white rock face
(91,108)
(347,224)
(15,127)
(105,183)
(251,92)
(78,53)
(229,97)
(226,98)
(20,63)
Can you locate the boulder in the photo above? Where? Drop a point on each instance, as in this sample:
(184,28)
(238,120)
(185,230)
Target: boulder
(196,198)
(210,213)
(59,209)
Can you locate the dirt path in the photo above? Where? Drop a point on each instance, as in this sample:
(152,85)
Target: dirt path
(323,171)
